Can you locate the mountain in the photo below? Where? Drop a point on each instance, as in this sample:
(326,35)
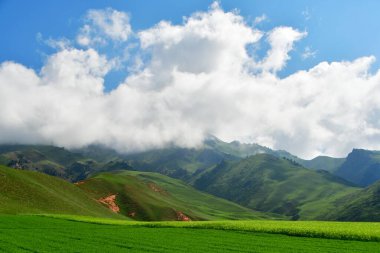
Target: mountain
(72,165)
(179,163)
(361,167)
(235,148)
(188,163)
(79,164)
(363,205)
(152,196)
(327,163)
(270,184)
(29,192)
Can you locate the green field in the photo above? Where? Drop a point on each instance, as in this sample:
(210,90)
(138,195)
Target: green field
(47,234)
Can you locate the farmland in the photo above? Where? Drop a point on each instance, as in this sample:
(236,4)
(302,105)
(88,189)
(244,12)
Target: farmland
(19,233)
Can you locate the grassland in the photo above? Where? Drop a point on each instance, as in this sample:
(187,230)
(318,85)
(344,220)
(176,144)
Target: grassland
(47,234)
(269,184)
(152,196)
(29,192)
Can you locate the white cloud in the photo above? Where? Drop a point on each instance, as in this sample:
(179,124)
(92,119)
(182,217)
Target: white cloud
(260,19)
(281,40)
(197,80)
(308,53)
(102,25)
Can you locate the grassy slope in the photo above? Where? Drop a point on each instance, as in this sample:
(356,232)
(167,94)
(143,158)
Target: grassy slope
(266,183)
(359,206)
(151,196)
(43,234)
(34,192)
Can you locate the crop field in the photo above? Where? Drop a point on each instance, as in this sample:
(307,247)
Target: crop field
(359,231)
(81,234)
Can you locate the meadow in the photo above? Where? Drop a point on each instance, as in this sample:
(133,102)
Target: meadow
(23,233)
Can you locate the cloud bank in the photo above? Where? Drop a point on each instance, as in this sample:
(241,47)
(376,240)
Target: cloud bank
(196,78)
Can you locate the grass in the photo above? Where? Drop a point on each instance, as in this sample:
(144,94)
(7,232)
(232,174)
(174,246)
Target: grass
(152,196)
(47,234)
(270,184)
(28,192)
(360,231)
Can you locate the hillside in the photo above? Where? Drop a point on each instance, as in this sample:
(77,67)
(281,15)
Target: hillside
(31,192)
(327,163)
(361,167)
(151,196)
(71,165)
(176,162)
(359,206)
(270,184)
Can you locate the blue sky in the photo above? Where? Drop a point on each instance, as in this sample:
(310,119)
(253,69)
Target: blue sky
(337,30)
(304,79)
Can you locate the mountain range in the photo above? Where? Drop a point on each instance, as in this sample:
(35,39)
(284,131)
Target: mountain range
(216,181)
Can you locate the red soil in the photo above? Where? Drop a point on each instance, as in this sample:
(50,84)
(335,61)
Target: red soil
(109,201)
(156,188)
(182,217)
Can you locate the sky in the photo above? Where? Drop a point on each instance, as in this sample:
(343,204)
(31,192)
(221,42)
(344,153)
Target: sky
(137,75)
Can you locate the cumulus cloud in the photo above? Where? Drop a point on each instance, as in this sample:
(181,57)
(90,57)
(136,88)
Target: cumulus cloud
(281,40)
(199,79)
(102,25)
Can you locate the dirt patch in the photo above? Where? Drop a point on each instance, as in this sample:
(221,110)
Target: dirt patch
(182,217)
(156,188)
(109,201)
(79,183)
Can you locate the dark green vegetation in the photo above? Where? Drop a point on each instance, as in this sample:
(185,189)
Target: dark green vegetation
(47,159)
(270,184)
(44,234)
(70,165)
(329,164)
(187,164)
(251,175)
(361,167)
(32,192)
(359,206)
(138,195)
(152,196)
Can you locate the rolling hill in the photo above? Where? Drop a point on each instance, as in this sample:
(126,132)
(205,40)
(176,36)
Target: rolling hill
(363,205)
(29,192)
(266,183)
(152,196)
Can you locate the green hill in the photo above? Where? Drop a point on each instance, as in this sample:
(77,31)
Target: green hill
(327,163)
(71,165)
(359,206)
(361,167)
(270,184)
(32,192)
(175,162)
(151,196)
